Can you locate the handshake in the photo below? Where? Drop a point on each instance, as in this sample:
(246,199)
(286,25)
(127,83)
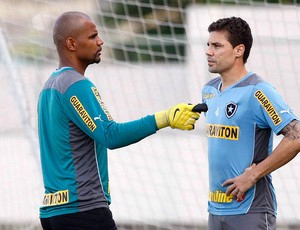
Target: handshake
(182,116)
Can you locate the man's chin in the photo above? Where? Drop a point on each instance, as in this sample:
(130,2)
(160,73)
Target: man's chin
(97,61)
(212,70)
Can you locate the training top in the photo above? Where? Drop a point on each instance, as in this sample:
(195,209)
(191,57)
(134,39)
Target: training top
(240,122)
(75,129)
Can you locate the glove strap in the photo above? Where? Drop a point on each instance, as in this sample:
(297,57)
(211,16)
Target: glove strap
(161,119)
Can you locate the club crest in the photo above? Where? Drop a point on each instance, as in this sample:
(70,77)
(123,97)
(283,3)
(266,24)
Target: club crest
(230,109)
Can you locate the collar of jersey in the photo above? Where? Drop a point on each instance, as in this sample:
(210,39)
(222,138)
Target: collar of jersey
(230,87)
(59,71)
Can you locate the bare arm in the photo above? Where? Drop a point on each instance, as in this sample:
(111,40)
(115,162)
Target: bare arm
(286,150)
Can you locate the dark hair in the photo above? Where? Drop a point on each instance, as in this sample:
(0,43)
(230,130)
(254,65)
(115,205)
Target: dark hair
(239,32)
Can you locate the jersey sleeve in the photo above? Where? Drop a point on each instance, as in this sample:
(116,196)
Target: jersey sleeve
(269,108)
(84,107)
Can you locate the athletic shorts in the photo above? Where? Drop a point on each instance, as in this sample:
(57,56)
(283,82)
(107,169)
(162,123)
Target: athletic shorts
(96,219)
(250,221)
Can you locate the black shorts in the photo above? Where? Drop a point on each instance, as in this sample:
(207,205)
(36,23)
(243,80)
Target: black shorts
(96,219)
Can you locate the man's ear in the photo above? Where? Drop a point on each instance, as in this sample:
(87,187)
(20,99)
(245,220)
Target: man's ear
(70,43)
(239,50)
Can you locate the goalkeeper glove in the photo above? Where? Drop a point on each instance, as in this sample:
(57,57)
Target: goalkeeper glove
(179,116)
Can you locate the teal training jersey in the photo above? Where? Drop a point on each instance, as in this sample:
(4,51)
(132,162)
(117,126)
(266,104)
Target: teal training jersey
(75,129)
(240,125)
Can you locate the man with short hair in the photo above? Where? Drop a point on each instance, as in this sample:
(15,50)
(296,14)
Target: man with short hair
(244,111)
(75,129)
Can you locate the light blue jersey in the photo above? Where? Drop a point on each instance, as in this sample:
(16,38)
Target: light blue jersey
(240,125)
(75,129)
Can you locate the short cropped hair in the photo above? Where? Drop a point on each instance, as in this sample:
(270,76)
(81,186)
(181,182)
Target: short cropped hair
(239,32)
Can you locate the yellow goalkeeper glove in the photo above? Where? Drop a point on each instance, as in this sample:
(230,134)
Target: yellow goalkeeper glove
(179,116)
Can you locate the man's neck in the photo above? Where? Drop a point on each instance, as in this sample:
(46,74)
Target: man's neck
(232,77)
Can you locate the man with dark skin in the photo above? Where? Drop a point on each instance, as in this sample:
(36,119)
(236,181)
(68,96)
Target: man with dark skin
(76,129)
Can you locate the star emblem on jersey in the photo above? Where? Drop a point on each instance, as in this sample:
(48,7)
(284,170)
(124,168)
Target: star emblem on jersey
(230,109)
